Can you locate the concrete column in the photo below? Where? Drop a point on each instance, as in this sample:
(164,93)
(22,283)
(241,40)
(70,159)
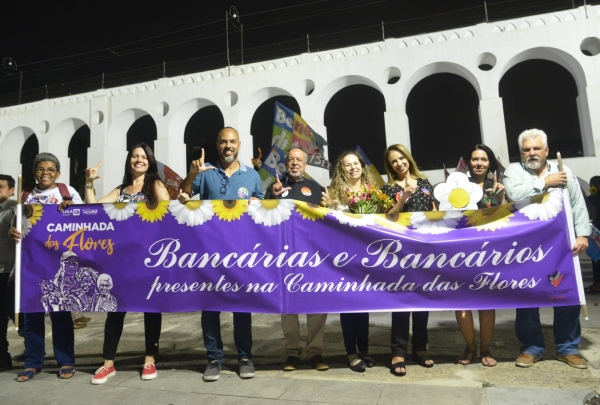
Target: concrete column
(396,128)
(168,152)
(588,101)
(493,130)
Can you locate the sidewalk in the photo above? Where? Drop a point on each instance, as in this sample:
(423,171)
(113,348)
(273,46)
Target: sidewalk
(182,361)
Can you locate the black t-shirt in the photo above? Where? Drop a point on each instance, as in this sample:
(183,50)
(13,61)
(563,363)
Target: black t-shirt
(594,199)
(306,190)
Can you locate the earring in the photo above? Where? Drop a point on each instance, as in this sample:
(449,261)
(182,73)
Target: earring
(490,175)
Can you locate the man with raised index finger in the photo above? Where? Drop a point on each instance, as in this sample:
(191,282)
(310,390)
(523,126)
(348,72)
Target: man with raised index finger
(294,185)
(228,179)
(536,175)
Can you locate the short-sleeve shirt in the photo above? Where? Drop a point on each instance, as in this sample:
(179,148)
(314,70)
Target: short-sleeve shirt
(420,200)
(215,185)
(306,190)
(51,196)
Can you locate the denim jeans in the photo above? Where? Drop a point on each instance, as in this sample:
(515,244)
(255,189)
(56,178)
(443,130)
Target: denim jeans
(63,339)
(567,330)
(242,335)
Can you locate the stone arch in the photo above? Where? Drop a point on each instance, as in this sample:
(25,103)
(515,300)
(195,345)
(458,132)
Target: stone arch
(332,88)
(182,115)
(10,149)
(117,132)
(58,144)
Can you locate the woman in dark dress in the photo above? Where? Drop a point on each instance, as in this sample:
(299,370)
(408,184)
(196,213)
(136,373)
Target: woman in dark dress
(413,192)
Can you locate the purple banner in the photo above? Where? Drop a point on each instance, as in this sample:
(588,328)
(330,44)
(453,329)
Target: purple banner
(283,256)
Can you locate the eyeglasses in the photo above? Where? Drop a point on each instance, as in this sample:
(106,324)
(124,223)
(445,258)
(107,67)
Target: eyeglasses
(223,184)
(49,170)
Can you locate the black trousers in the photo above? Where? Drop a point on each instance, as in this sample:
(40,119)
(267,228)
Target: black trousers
(113,328)
(7,311)
(355,329)
(596,271)
(400,327)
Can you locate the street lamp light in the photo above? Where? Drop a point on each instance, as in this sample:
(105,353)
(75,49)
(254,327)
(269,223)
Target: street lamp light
(232,15)
(12,64)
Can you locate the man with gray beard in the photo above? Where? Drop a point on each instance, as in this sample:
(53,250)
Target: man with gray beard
(535,175)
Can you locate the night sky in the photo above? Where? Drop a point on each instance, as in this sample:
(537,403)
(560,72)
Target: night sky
(69,45)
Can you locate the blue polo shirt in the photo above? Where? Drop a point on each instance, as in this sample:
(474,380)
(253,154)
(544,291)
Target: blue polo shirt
(215,185)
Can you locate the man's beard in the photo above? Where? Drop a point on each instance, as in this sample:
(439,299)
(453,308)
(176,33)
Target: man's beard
(229,159)
(534,164)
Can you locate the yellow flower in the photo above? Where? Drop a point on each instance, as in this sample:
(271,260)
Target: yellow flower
(397,222)
(593,190)
(230,209)
(36,213)
(490,219)
(152,210)
(310,211)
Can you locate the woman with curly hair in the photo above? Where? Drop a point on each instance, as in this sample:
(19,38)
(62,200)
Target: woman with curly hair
(350,174)
(413,192)
(141,182)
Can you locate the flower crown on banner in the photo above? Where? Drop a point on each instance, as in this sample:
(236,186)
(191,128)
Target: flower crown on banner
(458,193)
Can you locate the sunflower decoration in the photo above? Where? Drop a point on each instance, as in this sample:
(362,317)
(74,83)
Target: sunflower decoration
(593,190)
(270,212)
(542,206)
(192,213)
(152,210)
(120,211)
(33,212)
(310,211)
(435,222)
(353,220)
(397,222)
(490,219)
(230,210)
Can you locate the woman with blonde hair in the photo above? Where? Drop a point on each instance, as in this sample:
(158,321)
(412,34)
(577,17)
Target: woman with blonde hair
(350,174)
(413,192)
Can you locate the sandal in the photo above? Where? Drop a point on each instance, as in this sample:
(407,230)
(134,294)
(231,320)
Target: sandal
(366,357)
(467,356)
(28,373)
(422,360)
(356,364)
(62,374)
(400,364)
(591,290)
(485,359)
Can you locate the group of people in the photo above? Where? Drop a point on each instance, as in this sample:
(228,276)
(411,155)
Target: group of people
(230,179)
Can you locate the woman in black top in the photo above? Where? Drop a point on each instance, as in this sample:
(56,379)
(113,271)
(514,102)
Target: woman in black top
(413,192)
(483,172)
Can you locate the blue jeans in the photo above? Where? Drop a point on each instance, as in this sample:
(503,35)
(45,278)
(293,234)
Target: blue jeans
(242,335)
(63,339)
(567,330)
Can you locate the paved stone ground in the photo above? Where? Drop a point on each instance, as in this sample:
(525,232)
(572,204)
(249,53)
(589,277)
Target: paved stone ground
(182,361)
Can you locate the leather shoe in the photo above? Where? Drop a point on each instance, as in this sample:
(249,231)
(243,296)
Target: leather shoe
(573,360)
(291,363)
(526,360)
(318,363)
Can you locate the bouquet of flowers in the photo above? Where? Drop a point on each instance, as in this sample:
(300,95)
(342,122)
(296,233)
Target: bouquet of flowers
(368,200)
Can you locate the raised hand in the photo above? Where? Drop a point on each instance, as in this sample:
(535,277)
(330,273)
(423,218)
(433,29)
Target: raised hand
(198,166)
(326,200)
(278,188)
(257,162)
(183,197)
(91,173)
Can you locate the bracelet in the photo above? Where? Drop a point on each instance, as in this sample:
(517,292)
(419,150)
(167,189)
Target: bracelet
(89,186)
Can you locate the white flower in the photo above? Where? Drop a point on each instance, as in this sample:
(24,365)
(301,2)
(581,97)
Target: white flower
(270,212)
(435,222)
(120,211)
(542,206)
(458,193)
(354,220)
(193,213)
(25,226)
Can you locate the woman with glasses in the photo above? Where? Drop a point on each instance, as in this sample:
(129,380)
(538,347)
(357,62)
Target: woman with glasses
(140,183)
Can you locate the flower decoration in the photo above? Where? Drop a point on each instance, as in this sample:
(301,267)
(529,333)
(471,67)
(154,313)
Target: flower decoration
(270,212)
(35,214)
(593,190)
(120,211)
(490,219)
(458,193)
(542,206)
(230,210)
(192,213)
(435,222)
(311,211)
(397,222)
(353,220)
(368,200)
(26,225)
(152,210)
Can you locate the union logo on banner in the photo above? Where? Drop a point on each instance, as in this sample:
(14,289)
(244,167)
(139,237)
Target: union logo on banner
(555,278)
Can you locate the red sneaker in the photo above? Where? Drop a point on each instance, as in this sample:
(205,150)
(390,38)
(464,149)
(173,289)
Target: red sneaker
(149,371)
(103,374)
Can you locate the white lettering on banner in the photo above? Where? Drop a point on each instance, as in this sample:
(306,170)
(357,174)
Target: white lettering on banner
(221,285)
(76,226)
(489,279)
(293,284)
(386,253)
